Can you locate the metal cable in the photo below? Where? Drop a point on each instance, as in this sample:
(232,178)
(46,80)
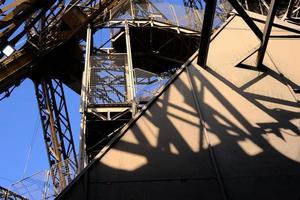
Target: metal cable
(36,128)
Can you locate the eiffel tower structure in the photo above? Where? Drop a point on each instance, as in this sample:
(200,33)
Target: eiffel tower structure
(189,100)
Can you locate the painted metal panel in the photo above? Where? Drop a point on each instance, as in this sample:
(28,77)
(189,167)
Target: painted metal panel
(240,123)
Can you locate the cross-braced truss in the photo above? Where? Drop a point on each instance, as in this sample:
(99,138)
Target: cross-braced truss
(57,131)
(6,194)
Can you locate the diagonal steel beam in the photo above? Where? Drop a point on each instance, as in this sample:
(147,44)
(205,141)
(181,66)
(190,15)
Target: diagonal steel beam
(267,32)
(207,25)
(237,6)
(289,12)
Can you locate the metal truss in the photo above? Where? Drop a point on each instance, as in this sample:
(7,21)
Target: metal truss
(263,36)
(258,6)
(6,93)
(288,10)
(40,23)
(293,12)
(42,26)
(263,6)
(112,89)
(6,194)
(106,94)
(34,15)
(107,84)
(15,14)
(108,78)
(57,131)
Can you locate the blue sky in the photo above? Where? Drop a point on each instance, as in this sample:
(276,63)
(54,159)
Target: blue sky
(20,127)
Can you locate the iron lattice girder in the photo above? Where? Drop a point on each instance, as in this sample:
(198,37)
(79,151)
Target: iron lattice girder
(210,8)
(6,194)
(57,131)
(44,31)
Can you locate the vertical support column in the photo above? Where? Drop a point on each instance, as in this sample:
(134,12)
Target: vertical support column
(86,72)
(129,72)
(209,14)
(267,32)
(57,132)
(175,17)
(84,99)
(132,8)
(82,151)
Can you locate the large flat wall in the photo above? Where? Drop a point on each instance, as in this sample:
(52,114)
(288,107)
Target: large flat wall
(228,131)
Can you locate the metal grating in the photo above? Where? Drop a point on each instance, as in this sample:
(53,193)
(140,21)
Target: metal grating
(107,84)
(107,79)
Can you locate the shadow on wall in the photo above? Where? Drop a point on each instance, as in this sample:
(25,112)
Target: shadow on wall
(206,138)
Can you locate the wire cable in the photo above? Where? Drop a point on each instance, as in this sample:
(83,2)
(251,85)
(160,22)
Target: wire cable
(36,128)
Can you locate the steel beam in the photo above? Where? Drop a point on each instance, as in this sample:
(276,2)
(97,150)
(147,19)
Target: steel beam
(289,11)
(6,194)
(207,25)
(130,84)
(236,5)
(6,93)
(267,32)
(84,99)
(57,131)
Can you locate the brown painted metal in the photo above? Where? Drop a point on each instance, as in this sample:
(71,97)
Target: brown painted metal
(199,133)
(207,26)
(57,132)
(267,32)
(251,129)
(31,61)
